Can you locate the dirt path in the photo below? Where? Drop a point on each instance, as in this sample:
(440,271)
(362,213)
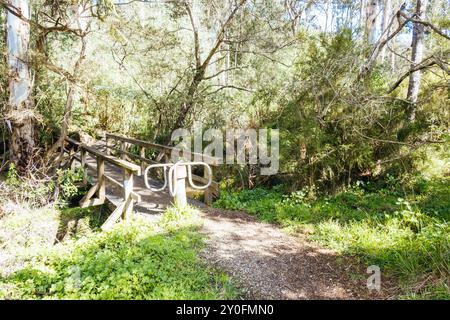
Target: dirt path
(270,264)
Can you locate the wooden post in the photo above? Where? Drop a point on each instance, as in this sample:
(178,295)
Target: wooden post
(180,187)
(101,178)
(83,166)
(142,154)
(98,188)
(127,189)
(208,196)
(107,151)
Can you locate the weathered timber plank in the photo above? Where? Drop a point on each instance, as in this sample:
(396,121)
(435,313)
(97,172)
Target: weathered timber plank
(166,149)
(116,161)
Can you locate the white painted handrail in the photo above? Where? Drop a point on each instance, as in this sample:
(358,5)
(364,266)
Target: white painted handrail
(153,166)
(171,177)
(189,174)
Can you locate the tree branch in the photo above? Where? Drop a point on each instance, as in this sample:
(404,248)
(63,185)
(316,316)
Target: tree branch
(226,87)
(224,70)
(56,28)
(427,24)
(367,69)
(196,39)
(221,33)
(426,63)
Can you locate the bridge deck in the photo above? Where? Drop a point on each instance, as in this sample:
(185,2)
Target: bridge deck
(152,204)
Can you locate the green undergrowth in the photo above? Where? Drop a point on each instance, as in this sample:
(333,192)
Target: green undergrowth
(135,260)
(404,231)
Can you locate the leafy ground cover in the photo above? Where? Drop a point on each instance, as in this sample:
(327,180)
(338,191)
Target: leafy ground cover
(405,232)
(135,260)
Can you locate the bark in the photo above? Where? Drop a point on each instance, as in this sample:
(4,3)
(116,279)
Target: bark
(371,21)
(20,117)
(387,12)
(416,58)
(393,41)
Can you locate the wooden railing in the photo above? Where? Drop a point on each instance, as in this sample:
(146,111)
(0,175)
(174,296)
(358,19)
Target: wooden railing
(121,144)
(96,194)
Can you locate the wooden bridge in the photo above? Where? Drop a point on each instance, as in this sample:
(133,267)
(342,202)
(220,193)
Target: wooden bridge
(114,171)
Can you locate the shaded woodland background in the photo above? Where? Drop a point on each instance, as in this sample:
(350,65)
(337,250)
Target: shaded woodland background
(357,88)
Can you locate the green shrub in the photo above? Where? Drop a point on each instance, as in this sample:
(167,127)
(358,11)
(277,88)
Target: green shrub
(12,177)
(67,181)
(36,193)
(175,218)
(257,201)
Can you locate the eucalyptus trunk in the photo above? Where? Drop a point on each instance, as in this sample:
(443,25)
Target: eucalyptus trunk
(387,12)
(371,21)
(20,117)
(416,57)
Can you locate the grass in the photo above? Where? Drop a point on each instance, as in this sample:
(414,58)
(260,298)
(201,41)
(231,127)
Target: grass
(135,260)
(407,234)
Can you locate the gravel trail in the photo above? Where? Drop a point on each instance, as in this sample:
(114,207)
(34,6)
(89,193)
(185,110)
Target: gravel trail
(269,264)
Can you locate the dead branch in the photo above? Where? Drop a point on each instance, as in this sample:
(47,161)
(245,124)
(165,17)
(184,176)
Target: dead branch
(424,64)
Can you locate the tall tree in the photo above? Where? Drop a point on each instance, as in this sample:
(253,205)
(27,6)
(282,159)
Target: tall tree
(385,28)
(416,57)
(201,66)
(372,17)
(20,118)
(79,14)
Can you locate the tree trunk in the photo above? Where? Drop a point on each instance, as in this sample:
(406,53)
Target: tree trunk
(387,12)
(69,104)
(362,15)
(83,24)
(393,57)
(21,118)
(189,102)
(416,57)
(371,21)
